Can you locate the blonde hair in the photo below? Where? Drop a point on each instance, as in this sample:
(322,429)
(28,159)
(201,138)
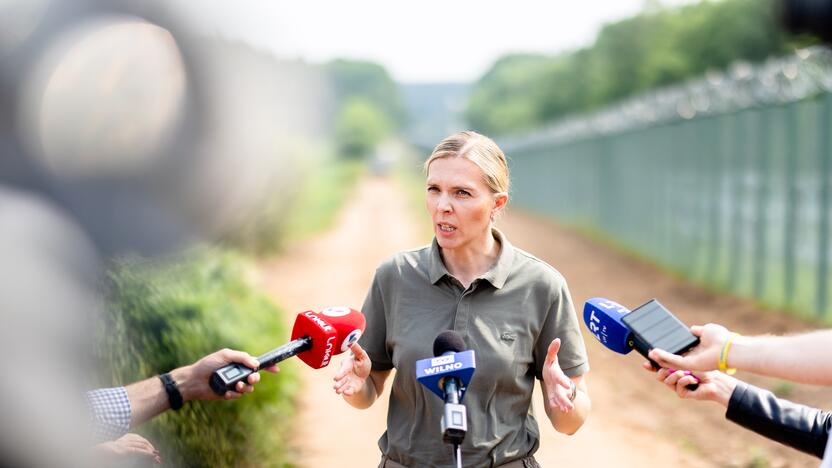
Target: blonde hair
(480,150)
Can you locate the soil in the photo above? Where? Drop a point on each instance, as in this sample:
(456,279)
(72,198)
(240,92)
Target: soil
(635,421)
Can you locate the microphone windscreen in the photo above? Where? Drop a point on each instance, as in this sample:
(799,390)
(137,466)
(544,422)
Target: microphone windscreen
(349,324)
(448,340)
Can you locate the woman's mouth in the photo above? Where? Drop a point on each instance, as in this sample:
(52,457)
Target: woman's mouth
(446,227)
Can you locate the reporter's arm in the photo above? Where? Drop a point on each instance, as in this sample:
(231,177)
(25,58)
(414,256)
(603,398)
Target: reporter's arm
(148,398)
(797,426)
(118,452)
(800,358)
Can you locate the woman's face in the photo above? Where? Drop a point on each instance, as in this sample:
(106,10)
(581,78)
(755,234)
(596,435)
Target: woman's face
(460,203)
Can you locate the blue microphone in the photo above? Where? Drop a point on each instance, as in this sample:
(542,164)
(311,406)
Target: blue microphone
(649,326)
(447,375)
(603,319)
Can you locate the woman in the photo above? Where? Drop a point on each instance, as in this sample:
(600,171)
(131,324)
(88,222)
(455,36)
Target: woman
(511,308)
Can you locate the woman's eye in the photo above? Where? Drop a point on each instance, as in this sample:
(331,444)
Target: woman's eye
(463,193)
(433,189)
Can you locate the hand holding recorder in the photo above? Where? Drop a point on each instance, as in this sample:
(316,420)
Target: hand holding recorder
(316,337)
(647,327)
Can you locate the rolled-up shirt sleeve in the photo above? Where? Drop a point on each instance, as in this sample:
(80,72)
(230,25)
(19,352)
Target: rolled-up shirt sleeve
(374,339)
(109,410)
(562,322)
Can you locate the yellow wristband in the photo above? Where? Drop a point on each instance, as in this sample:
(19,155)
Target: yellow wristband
(723,356)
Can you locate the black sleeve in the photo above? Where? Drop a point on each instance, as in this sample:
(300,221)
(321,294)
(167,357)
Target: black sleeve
(797,426)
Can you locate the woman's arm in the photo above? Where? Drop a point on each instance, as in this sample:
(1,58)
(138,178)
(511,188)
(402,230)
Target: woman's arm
(356,382)
(566,416)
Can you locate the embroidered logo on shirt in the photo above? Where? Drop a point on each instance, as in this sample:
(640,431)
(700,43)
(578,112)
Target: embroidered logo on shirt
(508,336)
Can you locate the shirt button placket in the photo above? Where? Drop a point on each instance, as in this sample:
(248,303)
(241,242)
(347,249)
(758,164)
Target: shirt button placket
(463,310)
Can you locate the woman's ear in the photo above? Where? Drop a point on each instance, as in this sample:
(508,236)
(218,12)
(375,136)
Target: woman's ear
(500,200)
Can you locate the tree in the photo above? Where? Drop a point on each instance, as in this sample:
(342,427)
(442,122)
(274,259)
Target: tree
(360,126)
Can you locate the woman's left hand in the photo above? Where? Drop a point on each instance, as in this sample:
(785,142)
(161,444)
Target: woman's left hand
(556,384)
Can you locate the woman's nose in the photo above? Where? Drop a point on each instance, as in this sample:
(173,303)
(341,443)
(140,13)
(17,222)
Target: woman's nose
(443,203)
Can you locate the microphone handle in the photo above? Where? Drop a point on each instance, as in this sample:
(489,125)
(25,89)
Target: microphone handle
(451,387)
(286,351)
(226,378)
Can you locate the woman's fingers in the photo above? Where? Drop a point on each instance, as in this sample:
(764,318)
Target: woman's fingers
(559,399)
(552,353)
(346,367)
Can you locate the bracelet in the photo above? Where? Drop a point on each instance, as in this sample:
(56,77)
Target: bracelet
(723,356)
(574,391)
(174,396)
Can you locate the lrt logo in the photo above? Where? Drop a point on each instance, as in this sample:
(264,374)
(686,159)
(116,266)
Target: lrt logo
(350,339)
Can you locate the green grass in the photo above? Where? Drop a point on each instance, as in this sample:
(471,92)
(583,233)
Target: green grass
(168,314)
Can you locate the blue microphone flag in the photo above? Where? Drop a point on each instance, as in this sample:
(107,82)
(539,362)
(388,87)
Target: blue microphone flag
(460,365)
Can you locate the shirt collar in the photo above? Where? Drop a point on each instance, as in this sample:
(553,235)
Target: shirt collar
(496,275)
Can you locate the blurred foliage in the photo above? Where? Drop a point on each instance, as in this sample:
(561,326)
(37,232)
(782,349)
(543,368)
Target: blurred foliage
(370,81)
(368,106)
(658,47)
(360,127)
(300,209)
(165,315)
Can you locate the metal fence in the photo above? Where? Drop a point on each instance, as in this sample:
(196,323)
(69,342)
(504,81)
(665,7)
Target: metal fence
(727,180)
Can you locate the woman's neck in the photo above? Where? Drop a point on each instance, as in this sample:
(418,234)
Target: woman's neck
(470,261)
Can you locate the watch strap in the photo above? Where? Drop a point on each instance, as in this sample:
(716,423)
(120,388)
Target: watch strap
(174,396)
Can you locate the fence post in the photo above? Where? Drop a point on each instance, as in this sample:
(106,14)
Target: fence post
(790,227)
(761,224)
(825,183)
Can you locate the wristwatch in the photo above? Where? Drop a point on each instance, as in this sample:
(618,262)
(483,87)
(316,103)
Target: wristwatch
(174,397)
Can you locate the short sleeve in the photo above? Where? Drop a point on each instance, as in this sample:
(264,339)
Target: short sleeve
(374,339)
(562,322)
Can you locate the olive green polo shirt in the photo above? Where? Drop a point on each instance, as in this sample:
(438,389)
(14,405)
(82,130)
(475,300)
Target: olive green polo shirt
(508,316)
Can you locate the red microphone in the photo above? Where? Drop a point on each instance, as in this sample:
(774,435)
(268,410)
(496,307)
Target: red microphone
(316,337)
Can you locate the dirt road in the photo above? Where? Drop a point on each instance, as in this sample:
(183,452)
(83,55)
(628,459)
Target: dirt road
(635,422)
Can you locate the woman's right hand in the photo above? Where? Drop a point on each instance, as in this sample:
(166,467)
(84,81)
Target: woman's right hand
(354,372)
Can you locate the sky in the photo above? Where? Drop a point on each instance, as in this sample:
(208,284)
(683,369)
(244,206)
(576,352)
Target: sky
(418,42)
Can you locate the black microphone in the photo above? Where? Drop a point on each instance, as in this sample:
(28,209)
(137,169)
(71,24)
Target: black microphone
(454,421)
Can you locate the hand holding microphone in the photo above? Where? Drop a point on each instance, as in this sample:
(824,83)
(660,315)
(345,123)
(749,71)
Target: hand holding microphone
(316,337)
(704,357)
(708,386)
(647,327)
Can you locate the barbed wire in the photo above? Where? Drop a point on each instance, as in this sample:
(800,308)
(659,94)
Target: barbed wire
(777,81)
